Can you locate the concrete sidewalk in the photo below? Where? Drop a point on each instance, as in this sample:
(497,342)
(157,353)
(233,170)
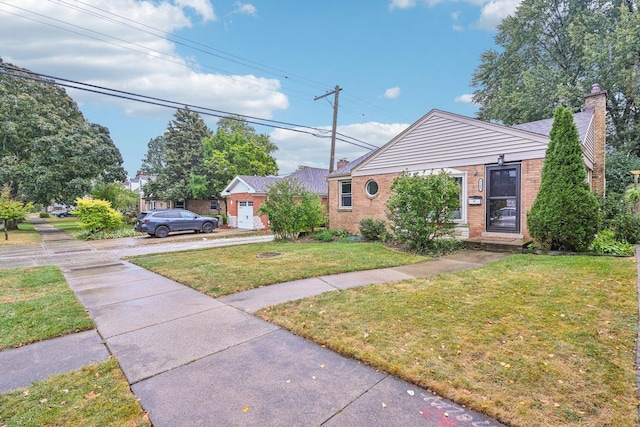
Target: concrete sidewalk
(193,360)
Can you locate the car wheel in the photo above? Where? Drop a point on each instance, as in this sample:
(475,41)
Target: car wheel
(162,231)
(207,227)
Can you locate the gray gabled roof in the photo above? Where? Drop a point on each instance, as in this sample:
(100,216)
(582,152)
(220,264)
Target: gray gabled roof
(313,179)
(543,127)
(347,168)
(538,132)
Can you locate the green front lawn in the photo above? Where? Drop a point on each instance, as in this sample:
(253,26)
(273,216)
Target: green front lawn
(222,271)
(96,395)
(529,340)
(24,235)
(36,304)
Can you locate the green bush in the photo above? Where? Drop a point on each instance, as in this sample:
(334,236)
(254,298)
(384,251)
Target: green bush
(565,214)
(331,235)
(292,209)
(626,227)
(97,215)
(607,243)
(374,229)
(44,215)
(420,209)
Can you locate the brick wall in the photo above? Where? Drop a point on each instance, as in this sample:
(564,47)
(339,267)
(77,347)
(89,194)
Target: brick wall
(598,99)
(365,206)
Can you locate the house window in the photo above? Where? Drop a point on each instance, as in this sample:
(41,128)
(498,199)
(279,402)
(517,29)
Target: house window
(151,205)
(214,204)
(457,214)
(371,188)
(179,204)
(345,194)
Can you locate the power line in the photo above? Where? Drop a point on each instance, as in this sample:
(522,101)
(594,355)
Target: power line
(47,79)
(191,44)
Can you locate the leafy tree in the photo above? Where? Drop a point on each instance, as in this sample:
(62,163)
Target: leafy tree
(551,52)
(49,152)
(11,210)
(121,199)
(235,149)
(421,209)
(618,171)
(97,215)
(564,215)
(173,158)
(291,209)
(238,125)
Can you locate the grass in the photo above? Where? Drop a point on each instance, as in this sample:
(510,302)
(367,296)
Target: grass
(529,340)
(36,304)
(222,271)
(96,395)
(24,235)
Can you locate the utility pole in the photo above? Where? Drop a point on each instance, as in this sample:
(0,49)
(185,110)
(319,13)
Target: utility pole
(336,92)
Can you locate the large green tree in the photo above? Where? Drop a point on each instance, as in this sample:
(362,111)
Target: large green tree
(550,52)
(565,213)
(48,151)
(175,157)
(235,149)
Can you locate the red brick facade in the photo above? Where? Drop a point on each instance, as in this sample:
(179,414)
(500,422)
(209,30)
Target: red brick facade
(365,206)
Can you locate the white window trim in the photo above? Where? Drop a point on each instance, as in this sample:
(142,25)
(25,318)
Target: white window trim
(340,193)
(463,197)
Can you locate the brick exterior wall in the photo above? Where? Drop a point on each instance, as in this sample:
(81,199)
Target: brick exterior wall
(365,206)
(260,222)
(598,99)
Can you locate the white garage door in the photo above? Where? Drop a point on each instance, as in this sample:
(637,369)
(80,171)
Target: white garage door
(245,214)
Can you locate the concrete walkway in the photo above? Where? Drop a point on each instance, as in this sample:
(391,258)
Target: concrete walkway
(197,361)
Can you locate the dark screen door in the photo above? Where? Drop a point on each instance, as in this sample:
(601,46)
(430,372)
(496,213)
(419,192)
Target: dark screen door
(503,199)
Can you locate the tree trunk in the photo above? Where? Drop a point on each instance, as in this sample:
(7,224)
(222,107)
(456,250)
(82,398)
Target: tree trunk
(11,225)
(6,235)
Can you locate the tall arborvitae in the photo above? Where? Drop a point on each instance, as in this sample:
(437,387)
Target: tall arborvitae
(564,215)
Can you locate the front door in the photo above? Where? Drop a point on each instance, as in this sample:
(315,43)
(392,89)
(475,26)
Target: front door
(245,214)
(503,199)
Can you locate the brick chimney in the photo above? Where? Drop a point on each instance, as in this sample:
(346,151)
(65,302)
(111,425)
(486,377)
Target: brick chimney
(342,163)
(597,100)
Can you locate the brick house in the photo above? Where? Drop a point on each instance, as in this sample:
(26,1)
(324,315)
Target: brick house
(209,206)
(498,167)
(246,193)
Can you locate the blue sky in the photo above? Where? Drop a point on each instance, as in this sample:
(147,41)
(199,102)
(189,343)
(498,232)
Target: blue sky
(395,60)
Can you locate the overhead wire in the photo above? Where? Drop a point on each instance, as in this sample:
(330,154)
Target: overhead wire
(48,79)
(208,50)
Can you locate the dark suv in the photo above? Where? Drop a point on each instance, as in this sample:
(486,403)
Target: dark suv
(162,222)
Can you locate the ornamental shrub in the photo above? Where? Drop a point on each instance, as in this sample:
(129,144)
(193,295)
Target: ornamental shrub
(420,209)
(565,214)
(291,209)
(97,215)
(374,229)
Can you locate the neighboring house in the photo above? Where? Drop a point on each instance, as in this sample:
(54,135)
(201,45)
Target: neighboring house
(202,207)
(245,194)
(498,167)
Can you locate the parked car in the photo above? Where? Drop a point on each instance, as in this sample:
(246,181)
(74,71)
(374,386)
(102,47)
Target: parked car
(160,223)
(62,213)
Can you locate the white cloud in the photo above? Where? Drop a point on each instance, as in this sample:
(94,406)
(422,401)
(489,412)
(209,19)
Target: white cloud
(392,92)
(467,98)
(296,149)
(245,8)
(84,47)
(494,12)
(201,7)
(401,4)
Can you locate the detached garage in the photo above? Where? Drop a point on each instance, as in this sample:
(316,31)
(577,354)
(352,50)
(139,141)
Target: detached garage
(246,193)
